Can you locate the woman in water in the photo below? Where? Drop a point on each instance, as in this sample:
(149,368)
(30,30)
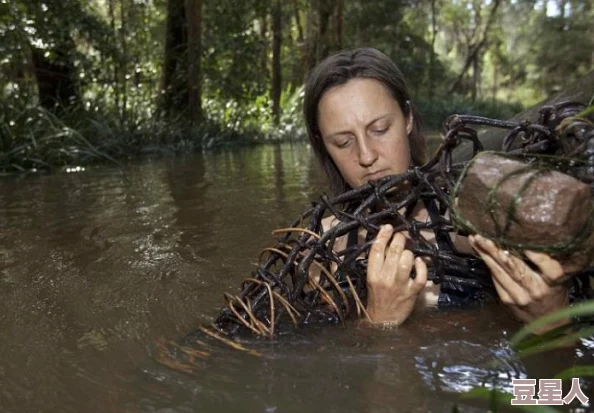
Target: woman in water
(363,126)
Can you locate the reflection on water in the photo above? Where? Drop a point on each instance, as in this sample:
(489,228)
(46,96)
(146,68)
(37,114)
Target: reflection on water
(452,370)
(96,267)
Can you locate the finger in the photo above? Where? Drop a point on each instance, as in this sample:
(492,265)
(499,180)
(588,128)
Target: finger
(515,291)
(515,268)
(377,252)
(405,266)
(484,243)
(550,269)
(473,240)
(510,264)
(499,255)
(533,284)
(523,274)
(421,278)
(504,297)
(393,254)
(479,245)
(515,282)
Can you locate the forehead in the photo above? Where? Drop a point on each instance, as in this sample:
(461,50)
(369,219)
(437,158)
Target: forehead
(358,100)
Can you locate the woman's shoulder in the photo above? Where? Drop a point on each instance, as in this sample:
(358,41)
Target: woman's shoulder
(329,222)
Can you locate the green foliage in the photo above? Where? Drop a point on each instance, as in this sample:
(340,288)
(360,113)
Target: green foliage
(436,109)
(527,344)
(576,371)
(255,120)
(103,63)
(292,125)
(34,138)
(579,310)
(498,399)
(560,49)
(233,49)
(48,142)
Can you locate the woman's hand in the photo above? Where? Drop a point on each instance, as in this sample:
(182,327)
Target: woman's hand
(527,293)
(391,293)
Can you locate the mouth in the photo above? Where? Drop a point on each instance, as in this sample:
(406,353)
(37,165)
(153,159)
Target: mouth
(374,176)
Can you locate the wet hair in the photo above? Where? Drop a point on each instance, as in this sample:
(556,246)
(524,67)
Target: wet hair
(338,69)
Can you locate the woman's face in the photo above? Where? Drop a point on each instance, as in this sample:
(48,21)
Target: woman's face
(364,131)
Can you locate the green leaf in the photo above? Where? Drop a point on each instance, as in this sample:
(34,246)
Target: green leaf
(495,397)
(498,398)
(576,371)
(536,340)
(549,344)
(588,111)
(582,309)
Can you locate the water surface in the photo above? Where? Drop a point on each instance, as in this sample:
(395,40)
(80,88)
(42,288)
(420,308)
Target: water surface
(96,267)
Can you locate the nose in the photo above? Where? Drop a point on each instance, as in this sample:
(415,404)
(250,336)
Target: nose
(367,153)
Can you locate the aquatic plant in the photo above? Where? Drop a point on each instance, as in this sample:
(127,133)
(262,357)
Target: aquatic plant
(526,344)
(33,138)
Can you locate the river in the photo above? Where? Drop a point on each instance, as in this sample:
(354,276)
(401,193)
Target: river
(98,266)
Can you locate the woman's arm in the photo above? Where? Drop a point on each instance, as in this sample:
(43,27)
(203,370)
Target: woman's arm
(391,293)
(528,294)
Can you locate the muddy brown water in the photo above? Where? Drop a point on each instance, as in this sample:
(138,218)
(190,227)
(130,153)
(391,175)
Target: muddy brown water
(97,266)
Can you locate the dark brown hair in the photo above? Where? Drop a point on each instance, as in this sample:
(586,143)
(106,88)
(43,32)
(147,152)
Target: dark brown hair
(338,69)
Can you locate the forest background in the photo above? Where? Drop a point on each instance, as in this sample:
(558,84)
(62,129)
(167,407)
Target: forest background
(82,81)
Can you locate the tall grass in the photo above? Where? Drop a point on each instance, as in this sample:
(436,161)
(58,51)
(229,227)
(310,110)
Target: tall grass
(526,344)
(33,138)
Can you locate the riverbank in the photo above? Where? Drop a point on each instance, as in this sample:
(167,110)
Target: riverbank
(34,139)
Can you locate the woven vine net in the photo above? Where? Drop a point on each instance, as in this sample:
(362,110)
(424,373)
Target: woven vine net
(303,278)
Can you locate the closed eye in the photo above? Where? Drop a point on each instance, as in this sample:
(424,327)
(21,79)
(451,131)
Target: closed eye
(343,144)
(380,131)
(379,128)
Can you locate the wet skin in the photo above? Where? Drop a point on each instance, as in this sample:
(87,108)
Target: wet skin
(366,133)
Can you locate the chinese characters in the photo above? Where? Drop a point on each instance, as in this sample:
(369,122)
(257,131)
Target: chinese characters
(550,392)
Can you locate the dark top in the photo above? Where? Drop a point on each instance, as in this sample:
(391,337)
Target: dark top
(453,295)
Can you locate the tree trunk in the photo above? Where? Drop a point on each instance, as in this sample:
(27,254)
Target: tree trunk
(116,62)
(264,37)
(172,91)
(475,49)
(56,76)
(194,27)
(325,8)
(561,5)
(495,80)
(300,72)
(300,36)
(311,40)
(433,37)
(476,76)
(123,60)
(275,93)
(339,22)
